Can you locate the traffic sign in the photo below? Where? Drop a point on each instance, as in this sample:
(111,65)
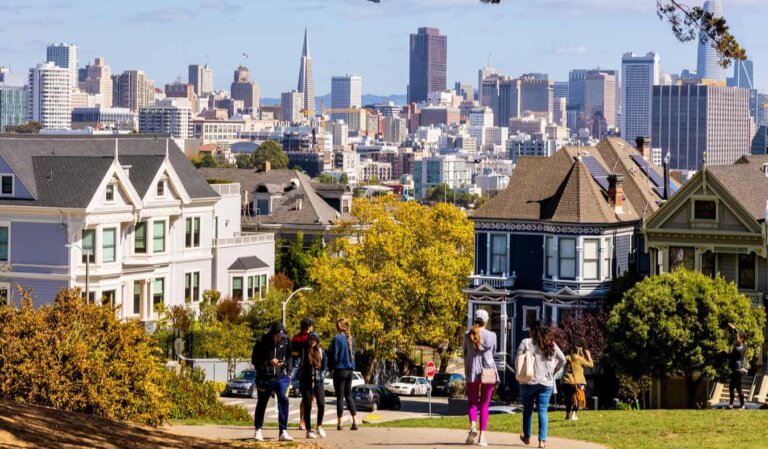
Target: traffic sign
(430,370)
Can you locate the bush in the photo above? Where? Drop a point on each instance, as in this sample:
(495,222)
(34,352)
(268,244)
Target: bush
(457,389)
(194,398)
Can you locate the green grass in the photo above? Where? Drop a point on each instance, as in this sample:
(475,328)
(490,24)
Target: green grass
(648,429)
(211,422)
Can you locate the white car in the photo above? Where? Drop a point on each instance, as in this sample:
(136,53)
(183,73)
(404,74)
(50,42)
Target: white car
(357,380)
(411,385)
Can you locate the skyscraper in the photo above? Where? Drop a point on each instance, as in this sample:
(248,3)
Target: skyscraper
(291,104)
(600,97)
(742,74)
(708,62)
(482,74)
(560,89)
(201,76)
(48,98)
(306,82)
(639,74)
(346,93)
(428,64)
(98,80)
(537,95)
(13,100)
(65,56)
(245,90)
(131,89)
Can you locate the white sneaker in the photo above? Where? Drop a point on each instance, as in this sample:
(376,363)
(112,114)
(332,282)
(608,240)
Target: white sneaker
(258,436)
(285,437)
(471,437)
(311,435)
(482,442)
(321,432)
(575,417)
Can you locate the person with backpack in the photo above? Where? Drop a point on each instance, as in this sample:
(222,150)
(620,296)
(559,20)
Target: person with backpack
(737,363)
(298,353)
(538,359)
(311,376)
(574,382)
(271,357)
(480,374)
(341,359)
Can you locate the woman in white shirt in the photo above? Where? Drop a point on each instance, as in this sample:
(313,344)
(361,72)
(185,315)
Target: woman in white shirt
(548,361)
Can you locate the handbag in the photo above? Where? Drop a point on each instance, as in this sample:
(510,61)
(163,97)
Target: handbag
(524,364)
(579,399)
(488,376)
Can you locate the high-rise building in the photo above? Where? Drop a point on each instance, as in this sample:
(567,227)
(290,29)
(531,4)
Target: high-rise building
(306,82)
(201,77)
(428,64)
(600,97)
(180,89)
(559,113)
(481,116)
(246,90)
(65,56)
(742,74)
(537,95)
(639,74)
(465,90)
(708,62)
(169,116)
(292,103)
(13,106)
(688,120)
(482,74)
(48,98)
(98,81)
(346,93)
(577,81)
(509,101)
(560,89)
(133,90)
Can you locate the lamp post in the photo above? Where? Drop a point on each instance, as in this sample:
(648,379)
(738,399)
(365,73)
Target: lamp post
(88,253)
(285,303)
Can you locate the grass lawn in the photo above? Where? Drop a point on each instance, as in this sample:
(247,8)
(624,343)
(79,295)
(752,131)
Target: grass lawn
(212,422)
(648,429)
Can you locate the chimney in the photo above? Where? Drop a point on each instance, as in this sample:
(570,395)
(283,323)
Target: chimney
(298,204)
(616,192)
(644,147)
(267,166)
(665,164)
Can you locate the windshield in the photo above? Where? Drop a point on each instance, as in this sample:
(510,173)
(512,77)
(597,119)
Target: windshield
(442,378)
(407,380)
(247,375)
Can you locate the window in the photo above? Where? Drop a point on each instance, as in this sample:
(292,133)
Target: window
(551,267)
(606,268)
(747,271)
(89,245)
(6,185)
(110,193)
(108,298)
(704,210)
(264,281)
(4,294)
(161,188)
(252,282)
(592,259)
(192,286)
(547,318)
(567,258)
(136,297)
(108,245)
(563,314)
(498,253)
(4,243)
(192,232)
(91,297)
(681,257)
(158,295)
(237,288)
(140,238)
(708,264)
(158,237)
(530,316)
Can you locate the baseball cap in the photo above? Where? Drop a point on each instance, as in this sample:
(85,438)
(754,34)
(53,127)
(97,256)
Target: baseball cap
(306,322)
(277,328)
(313,335)
(481,315)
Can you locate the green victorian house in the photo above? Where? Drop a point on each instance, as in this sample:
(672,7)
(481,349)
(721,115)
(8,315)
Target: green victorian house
(716,224)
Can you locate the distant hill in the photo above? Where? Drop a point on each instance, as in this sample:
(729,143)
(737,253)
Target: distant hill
(367,99)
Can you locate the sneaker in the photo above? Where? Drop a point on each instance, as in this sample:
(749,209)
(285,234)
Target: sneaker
(321,432)
(258,436)
(482,442)
(285,437)
(526,440)
(574,417)
(471,437)
(311,435)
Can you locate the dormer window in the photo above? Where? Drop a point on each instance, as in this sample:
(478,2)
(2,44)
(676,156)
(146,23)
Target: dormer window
(704,210)
(110,193)
(161,188)
(6,185)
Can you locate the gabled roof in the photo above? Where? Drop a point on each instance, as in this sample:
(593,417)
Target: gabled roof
(578,200)
(67,181)
(248,263)
(746,181)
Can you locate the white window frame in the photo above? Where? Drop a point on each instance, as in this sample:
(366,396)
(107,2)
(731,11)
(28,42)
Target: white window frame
(13,184)
(575,258)
(192,219)
(165,291)
(597,260)
(7,224)
(95,253)
(606,258)
(491,255)
(550,255)
(147,230)
(142,288)
(166,240)
(526,324)
(116,247)
(244,288)
(162,182)
(107,200)
(193,298)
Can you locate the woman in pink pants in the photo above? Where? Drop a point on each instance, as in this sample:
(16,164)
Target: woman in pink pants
(479,347)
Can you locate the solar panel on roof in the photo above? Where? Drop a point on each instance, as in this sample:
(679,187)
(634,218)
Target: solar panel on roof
(653,175)
(596,170)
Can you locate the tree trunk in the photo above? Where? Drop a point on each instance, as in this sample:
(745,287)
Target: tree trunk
(445,358)
(691,387)
(370,369)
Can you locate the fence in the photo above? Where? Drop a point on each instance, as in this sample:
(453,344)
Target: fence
(215,369)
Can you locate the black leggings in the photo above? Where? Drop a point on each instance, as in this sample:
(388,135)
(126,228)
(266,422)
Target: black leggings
(306,400)
(735,384)
(342,384)
(568,391)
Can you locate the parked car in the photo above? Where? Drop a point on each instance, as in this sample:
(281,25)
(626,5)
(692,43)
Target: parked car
(357,380)
(375,397)
(242,385)
(411,385)
(441,384)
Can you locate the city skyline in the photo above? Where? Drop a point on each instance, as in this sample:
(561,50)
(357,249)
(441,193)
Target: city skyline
(272,45)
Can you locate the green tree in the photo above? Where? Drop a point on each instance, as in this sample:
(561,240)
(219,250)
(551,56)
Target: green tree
(204,160)
(325,178)
(676,324)
(270,151)
(231,341)
(443,193)
(344,179)
(295,260)
(244,161)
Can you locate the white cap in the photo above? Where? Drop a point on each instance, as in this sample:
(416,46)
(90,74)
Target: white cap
(481,315)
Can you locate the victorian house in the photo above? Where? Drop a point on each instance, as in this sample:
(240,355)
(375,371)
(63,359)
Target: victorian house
(552,243)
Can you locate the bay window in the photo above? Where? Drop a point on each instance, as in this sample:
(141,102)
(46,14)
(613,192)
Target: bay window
(551,269)
(606,269)
(567,250)
(498,253)
(158,237)
(237,288)
(109,245)
(192,286)
(140,238)
(89,245)
(747,272)
(136,297)
(592,259)
(708,264)
(192,232)
(158,294)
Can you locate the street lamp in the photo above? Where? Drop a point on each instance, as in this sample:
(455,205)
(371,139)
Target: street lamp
(285,303)
(88,253)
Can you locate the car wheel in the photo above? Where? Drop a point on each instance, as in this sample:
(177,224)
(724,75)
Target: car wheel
(374,406)
(413,392)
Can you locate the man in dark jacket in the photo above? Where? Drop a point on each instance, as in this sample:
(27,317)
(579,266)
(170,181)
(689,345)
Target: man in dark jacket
(271,357)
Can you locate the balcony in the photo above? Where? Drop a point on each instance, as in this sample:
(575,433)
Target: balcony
(495,281)
(245,238)
(756,298)
(231,189)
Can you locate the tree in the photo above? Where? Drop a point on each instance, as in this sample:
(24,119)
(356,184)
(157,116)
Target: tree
(676,324)
(344,179)
(585,331)
(324,178)
(295,260)
(401,284)
(204,160)
(232,341)
(443,193)
(29,128)
(270,151)
(244,161)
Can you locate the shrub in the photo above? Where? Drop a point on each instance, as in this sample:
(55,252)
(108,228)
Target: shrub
(228,311)
(194,398)
(457,389)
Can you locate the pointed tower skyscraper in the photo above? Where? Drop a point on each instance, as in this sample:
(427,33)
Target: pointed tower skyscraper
(708,64)
(306,83)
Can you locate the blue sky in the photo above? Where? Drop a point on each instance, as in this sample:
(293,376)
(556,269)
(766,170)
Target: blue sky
(356,36)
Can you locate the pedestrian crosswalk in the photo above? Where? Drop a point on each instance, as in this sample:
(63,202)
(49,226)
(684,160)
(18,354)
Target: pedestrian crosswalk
(272,414)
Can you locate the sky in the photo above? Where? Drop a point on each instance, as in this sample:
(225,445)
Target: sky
(163,37)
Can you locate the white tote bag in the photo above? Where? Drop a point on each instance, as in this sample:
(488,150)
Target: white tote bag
(524,364)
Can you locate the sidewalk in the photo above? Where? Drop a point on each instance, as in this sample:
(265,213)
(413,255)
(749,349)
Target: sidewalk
(370,437)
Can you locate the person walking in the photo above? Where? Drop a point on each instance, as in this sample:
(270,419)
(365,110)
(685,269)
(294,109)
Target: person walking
(480,374)
(298,353)
(574,380)
(341,359)
(271,357)
(738,365)
(311,376)
(548,359)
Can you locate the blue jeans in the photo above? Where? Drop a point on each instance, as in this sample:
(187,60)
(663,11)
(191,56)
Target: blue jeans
(541,394)
(266,388)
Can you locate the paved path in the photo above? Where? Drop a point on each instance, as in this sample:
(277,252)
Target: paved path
(377,438)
